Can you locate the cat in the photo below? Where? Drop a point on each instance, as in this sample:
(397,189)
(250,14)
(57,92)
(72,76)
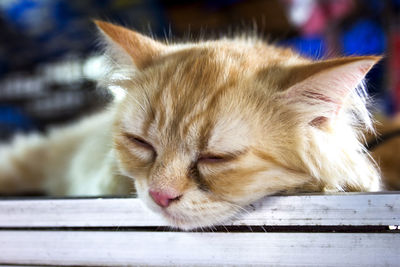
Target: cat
(207,128)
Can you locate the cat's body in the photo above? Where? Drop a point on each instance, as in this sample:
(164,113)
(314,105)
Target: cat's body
(207,128)
(75,160)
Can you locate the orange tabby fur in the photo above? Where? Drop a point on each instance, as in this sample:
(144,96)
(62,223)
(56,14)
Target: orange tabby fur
(217,125)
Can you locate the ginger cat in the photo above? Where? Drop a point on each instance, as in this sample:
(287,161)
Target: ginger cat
(207,128)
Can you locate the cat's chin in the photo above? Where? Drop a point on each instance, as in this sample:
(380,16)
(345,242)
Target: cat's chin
(180,218)
(186,215)
(187,224)
(179,222)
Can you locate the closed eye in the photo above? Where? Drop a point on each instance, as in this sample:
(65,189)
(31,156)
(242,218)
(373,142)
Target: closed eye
(213,158)
(139,142)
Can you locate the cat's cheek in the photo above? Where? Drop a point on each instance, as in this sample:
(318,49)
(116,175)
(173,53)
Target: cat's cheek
(270,182)
(242,190)
(198,209)
(234,186)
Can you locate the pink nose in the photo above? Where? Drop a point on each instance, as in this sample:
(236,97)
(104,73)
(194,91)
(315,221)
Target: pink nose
(162,198)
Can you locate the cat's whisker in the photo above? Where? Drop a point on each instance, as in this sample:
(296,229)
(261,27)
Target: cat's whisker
(239,210)
(147,99)
(139,104)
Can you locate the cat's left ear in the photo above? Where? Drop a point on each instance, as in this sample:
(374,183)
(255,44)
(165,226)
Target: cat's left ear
(125,43)
(321,88)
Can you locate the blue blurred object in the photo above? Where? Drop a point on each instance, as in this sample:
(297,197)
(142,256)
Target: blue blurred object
(365,37)
(396,3)
(375,6)
(45,30)
(312,47)
(13,120)
(388,105)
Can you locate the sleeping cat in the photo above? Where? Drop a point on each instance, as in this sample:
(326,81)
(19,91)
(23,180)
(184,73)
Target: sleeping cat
(206,128)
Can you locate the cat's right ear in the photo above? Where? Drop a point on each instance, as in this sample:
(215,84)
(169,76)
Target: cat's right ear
(320,90)
(126,44)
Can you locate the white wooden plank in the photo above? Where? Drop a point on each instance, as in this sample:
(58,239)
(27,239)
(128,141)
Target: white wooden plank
(94,212)
(343,209)
(198,249)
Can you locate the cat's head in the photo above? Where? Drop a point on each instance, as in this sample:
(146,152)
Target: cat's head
(207,128)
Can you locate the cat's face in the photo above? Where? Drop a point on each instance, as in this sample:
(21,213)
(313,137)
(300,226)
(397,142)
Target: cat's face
(196,131)
(206,129)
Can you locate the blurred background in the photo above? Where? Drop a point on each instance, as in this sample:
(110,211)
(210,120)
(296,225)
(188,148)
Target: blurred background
(50,60)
